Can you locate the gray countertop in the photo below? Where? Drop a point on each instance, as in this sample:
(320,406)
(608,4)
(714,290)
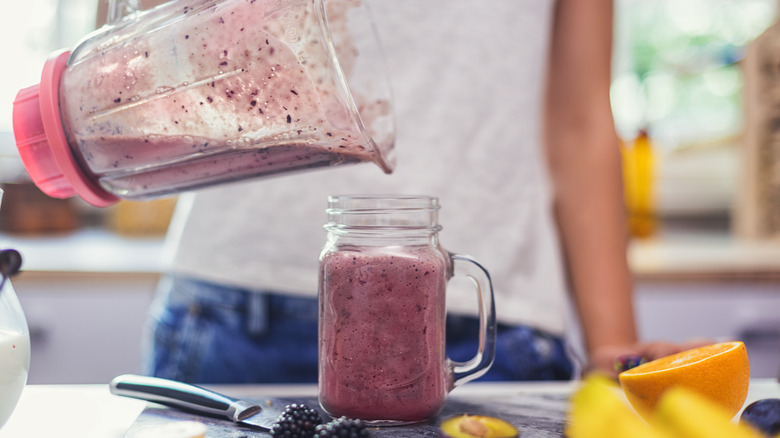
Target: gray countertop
(90,411)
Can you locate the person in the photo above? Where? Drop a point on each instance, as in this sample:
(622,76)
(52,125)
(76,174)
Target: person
(503,112)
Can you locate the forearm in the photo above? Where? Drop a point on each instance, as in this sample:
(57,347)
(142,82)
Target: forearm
(593,235)
(585,168)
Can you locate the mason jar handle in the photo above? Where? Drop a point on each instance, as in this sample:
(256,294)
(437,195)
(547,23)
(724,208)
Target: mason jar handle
(463,372)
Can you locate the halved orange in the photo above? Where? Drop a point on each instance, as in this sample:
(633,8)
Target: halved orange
(719,372)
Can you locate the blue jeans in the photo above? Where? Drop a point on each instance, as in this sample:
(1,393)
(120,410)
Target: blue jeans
(206,333)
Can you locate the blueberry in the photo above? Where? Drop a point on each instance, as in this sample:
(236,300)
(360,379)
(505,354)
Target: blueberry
(763,415)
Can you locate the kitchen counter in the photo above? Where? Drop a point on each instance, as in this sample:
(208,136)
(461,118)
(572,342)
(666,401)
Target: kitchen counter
(705,256)
(90,411)
(673,256)
(94,251)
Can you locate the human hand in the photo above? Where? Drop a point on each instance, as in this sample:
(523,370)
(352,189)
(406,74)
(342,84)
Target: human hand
(613,359)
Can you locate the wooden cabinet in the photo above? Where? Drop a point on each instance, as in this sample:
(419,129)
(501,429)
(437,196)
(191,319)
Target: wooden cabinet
(740,310)
(84,327)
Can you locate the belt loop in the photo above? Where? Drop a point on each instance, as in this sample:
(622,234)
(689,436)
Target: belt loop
(257,313)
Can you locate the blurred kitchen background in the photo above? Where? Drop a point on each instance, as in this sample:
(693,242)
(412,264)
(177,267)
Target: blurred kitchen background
(693,99)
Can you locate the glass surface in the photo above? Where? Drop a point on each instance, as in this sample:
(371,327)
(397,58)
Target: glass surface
(14,351)
(14,336)
(382,292)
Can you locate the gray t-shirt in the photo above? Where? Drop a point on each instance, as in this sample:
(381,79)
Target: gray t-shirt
(468,83)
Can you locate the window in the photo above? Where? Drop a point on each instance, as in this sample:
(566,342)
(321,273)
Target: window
(30,30)
(676,65)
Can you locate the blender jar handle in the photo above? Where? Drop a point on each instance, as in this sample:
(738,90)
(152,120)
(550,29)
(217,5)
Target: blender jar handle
(118,9)
(463,372)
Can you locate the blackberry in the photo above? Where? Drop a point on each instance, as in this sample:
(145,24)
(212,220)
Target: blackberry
(297,421)
(342,427)
(628,361)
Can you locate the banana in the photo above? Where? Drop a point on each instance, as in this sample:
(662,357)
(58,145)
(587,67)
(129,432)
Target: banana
(597,411)
(691,415)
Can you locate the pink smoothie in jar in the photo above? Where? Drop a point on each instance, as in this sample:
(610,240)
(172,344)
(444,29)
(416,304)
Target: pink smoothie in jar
(382,345)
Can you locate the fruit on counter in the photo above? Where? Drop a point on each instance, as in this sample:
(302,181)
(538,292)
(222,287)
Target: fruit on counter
(477,426)
(599,410)
(628,361)
(692,415)
(296,421)
(763,415)
(342,427)
(720,372)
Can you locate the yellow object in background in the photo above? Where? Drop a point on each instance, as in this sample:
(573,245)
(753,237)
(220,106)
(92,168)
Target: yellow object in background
(718,372)
(141,218)
(638,182)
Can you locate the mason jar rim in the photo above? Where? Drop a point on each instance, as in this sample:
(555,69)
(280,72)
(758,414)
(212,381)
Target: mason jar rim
(383,212)
(375,203)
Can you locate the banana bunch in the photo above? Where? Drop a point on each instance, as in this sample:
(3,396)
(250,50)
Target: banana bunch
(598,410)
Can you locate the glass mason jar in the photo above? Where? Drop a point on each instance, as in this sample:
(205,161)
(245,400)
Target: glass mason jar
(383,277)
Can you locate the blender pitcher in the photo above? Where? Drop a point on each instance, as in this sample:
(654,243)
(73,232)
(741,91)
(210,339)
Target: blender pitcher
(194,93)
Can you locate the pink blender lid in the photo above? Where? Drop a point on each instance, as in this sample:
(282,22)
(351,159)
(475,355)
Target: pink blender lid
(42,144)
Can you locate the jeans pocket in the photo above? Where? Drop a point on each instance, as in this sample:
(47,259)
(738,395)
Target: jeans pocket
(181,336)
